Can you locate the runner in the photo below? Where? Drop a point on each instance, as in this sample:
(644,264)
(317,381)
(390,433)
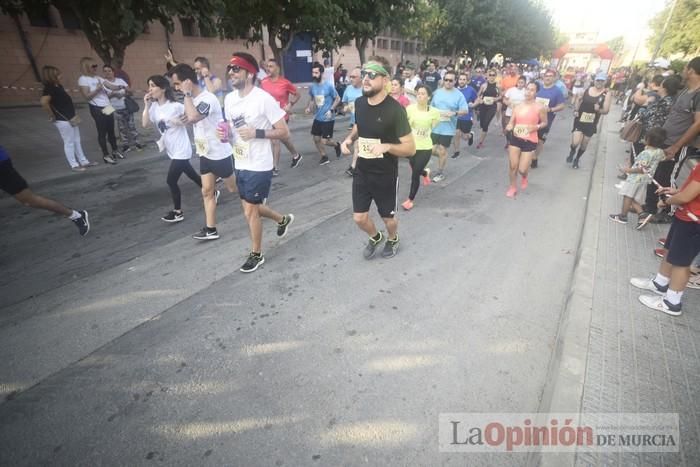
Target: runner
(451,103)
(594,103)
(526,120)
(489,96)
(478,78)
(206,79)
(411,80)
(203,111)
(397,92)
(509,81)
(351,93)
(512,98)
(325,99)
(465,122)
(578,87)
(553,100)
(423,119)
(432,77)
(255,118)
(383,135)
(160,108)
(12,183)
(281,89)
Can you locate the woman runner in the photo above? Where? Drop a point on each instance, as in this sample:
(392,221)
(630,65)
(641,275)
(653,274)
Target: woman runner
(489,96)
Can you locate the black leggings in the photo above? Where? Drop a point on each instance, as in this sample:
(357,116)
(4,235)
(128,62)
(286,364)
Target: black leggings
(418,163)
(487,113)
(177,168)
(105,129)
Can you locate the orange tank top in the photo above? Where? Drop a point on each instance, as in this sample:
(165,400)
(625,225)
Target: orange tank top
(525,115)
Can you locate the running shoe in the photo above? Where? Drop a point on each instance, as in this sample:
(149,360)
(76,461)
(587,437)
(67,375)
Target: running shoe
(660,304)
(296,161)
(324,160)
(660,252)
(523,183)
(619,218)
(391,247)
(644,219)
(570,159)
(217,195)
(125,149)
(108,160)
(533,164)
(512,191)
(694,281)
(648,284)
(83,223)
(480,145)
(575,164)
(282,226)
(173,216)
(455,155)
(275,172)
(426,177)
(439,177)
(662,241)
(471,138)
(371,247)
(350,172)
(253,262)
(338,152)
(206,234)
(78,169)
(91,164)
(117,155)
(407,205)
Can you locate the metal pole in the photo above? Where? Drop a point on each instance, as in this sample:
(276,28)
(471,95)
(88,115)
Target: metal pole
(27,48)
(663,32)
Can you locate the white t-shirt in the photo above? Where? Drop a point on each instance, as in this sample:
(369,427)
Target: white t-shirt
(92,83)
(118,102)
(164,118)
(410,85)
(257,110)
(206,142)
(515,96)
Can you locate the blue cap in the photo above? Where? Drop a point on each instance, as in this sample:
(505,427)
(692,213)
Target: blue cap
(601,77)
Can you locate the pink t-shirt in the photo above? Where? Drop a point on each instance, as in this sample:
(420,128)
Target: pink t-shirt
(403,100)
(279,89)
(526,114)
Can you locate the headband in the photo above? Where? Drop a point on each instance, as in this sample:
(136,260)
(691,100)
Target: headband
(376,67)
(243,63)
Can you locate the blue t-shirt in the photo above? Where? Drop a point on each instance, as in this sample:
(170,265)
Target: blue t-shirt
(323,95)
(448,100)
(4,156)
(553,97)
(476,82)
(470,96)
(351,93)
(562,87)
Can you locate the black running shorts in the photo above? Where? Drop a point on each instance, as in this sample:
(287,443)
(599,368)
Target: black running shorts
(11,182)
(382,188)
(221,168)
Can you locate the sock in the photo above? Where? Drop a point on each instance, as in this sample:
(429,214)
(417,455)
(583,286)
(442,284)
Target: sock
(377,237)
(393,240)
(259,253)
(661,280)
(75,215)
(580,153)
(211,229)
(573,151)
(673,297)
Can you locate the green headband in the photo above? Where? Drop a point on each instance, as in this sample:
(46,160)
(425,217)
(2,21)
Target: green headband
(376,67)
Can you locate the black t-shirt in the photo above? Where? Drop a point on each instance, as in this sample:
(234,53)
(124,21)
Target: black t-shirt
(431,80)
(61,103)
(387,122)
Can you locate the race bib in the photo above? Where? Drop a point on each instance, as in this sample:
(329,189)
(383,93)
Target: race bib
(521,131)
(364,148)
(421,132)
(542,100)
(319,100)
(241,150)
(586,117)
(444,117)
(488,100)
(201,146)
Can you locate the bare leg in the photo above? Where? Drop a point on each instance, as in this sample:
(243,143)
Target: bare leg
(513,163)
(269,213)
(364,222)
(626,205)
(392,227)
(525,161)
(29,198)
(208,189)
(679,278)
(276,149)
(442,154)
(319,146)
(252,216)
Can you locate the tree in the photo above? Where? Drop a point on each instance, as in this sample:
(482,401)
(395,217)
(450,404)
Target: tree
(616,44)
(683,32)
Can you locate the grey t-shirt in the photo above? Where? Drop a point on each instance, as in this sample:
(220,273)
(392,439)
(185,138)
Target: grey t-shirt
(682,116)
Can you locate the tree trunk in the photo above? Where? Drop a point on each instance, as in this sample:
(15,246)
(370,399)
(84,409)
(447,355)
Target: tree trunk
(361,45)
(278,51)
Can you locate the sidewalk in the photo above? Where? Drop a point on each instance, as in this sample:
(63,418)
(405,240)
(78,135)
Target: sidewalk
(633,359)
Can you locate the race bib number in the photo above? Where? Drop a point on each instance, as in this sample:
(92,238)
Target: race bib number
(421,132)
(240,150)
(488,100)
(364,148)
(586,117)
(319,100)
(521,131)
(201,146)
(542,100)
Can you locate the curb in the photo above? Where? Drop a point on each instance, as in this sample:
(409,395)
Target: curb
(563,389)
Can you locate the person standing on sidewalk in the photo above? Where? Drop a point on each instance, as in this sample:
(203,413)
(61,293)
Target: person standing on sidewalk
(352,92)
(12,183)
(553,100)
(94,90)
(203,111)
(451,104)
(125,118)
(683,244)
(594,103)
(255,118)
(325,99)
(59,106)
(286,95)
(383,135)
(160,108)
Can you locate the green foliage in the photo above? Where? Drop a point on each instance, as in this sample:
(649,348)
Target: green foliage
(616,44)
(683,32)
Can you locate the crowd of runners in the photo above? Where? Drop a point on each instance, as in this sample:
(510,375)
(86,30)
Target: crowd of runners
(413,112)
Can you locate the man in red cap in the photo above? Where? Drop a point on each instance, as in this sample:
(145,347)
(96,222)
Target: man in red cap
(255,119)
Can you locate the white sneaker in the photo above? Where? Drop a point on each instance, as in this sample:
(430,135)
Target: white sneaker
(660,304)
(439,177)
(217,195)
(694,281)
(647,284)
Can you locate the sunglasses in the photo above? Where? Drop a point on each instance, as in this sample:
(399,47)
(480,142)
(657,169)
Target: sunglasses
(233,69)
(448,80)
(370,74)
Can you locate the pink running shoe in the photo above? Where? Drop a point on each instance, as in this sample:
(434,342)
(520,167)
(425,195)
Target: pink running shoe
(523,183)
(480,145)
(426,177)
(512,191)
(407,205)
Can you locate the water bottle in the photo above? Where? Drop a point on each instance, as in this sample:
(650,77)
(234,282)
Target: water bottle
(223,127)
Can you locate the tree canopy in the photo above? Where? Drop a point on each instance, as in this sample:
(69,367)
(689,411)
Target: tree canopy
(683,32)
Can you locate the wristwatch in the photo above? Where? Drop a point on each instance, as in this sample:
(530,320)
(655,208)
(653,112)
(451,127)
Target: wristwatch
(188,94)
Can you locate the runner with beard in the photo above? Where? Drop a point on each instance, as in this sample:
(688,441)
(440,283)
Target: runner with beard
(465,122)
(553,100)
(384,135)
(451,104)
(325,99)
